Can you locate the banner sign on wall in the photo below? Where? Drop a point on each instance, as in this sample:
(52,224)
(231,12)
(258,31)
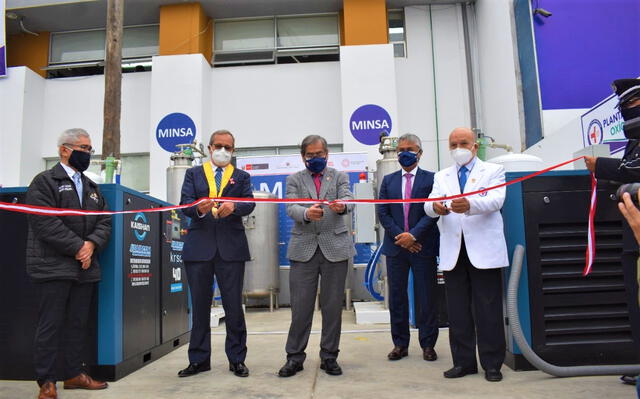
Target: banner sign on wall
(3,42)
(269,173)
(289,164)
(174,129)
(603,124)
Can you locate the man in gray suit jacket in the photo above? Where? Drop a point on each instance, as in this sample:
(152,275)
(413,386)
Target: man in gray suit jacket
(320,246)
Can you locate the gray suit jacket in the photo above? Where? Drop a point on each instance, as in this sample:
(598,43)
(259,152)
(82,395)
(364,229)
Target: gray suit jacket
(330,232)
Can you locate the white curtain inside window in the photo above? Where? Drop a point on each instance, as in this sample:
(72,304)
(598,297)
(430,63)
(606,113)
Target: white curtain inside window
(308,31)
(257,34)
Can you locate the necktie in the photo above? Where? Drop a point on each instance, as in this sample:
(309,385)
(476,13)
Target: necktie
(78,182)
(407,195)
(462,178)
(317,180)
(219,180)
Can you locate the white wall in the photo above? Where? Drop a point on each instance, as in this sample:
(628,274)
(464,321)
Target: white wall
(11,115)
(30,159)
(424,86)
(560,145)
(273,105)
(500,91)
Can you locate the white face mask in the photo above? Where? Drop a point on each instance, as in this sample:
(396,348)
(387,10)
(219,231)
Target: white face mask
(462,156)
(221,157)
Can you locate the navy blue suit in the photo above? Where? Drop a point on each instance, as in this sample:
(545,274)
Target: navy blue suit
(400,260)
(216,247)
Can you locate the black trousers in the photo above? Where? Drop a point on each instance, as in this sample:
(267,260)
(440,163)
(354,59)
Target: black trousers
(62,321)
(230,277)
(474,305)
(424,293)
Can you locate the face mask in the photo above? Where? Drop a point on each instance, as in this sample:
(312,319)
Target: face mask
(80,160)
(632,128)
(221,157)
(316,165)
(630,113)
(407,158)
(462,156)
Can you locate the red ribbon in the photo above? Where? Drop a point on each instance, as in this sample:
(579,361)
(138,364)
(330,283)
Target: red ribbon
(590,256)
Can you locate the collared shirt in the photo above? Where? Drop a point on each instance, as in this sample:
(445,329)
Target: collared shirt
(215,167)
(469,166)
(72,172)
(413,172)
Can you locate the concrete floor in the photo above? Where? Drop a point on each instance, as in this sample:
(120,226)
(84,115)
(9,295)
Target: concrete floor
(367,372)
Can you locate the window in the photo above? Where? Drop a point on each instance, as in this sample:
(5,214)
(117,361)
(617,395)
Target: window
(396,33)
(134,170)
(284,39)
(82,52)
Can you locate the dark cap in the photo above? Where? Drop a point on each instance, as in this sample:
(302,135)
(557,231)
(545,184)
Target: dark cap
(626,89)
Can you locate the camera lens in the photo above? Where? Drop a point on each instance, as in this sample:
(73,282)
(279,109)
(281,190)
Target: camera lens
(632,189)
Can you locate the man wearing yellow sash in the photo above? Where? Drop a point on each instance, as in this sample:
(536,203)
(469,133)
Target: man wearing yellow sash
(216,244)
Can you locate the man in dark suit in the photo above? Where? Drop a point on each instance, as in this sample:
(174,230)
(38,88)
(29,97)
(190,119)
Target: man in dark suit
(410,243)
(62,259)
(216,245)
(626,170)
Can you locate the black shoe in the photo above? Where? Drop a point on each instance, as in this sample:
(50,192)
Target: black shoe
(290,368)
(628,379)
(457,372)
(397,353)
(193,369)
(239,369)
(331,367)
(493,375)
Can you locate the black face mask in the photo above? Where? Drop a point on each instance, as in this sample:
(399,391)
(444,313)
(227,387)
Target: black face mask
(632,128)
(630,113)
(80,160)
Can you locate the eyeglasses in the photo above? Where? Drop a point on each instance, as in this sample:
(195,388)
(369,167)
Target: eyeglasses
(319,154)
(83,147)
(220,146)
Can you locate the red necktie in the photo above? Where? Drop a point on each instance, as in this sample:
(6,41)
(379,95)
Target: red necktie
(317,180)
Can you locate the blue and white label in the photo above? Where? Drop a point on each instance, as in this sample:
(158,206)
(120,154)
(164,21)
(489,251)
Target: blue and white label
(176,287)
(174,129)
(140,226)
(367,122)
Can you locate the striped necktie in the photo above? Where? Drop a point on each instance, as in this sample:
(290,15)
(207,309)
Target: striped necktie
(219,179)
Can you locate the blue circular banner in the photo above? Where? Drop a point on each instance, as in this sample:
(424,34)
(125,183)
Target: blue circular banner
(367,122)
(173,129)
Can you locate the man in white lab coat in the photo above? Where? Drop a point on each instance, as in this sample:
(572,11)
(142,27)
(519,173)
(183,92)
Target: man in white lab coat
(472,251)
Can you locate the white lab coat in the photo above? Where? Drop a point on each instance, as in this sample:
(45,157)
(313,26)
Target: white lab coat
(481,225)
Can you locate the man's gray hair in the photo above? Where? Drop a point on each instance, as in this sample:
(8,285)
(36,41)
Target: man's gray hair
(71,136)
(221,132)
(412,138)
(310,139)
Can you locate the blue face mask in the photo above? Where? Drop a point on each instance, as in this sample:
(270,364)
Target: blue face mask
(407,158)
(316,165)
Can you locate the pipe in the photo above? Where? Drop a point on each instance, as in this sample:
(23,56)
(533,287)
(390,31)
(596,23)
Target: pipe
(369,273)
(529,354)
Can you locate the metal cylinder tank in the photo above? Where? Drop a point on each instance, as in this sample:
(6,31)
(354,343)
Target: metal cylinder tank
(388,164)
(261,276)
(175,176)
